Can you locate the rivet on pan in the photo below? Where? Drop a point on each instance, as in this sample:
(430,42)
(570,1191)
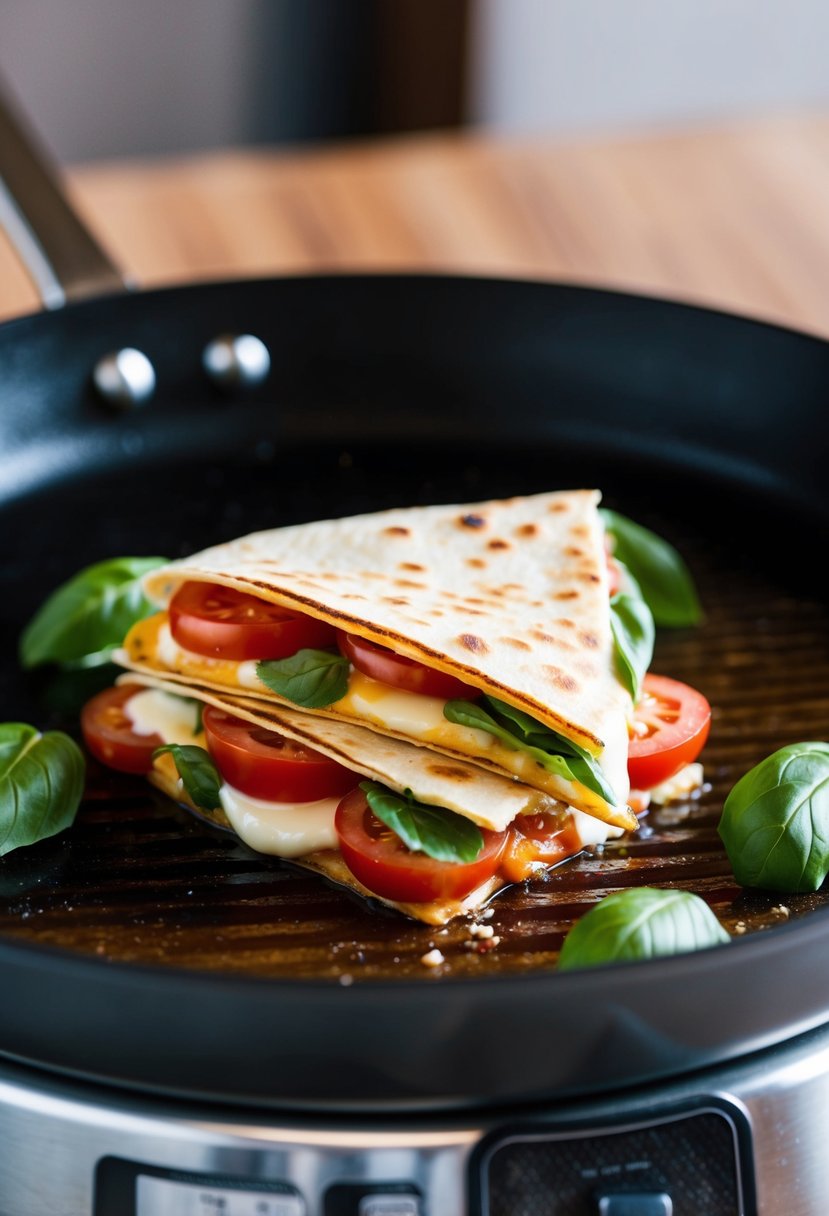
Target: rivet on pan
(236,361)
(124,378)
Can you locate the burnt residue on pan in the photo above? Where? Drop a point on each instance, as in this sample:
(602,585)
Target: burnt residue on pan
(139,880)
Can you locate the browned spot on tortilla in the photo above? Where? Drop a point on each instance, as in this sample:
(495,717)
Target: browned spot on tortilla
(574,551)
(560,678)
(555,508)
(565,622)
(352,595)
(497,544)
(472,521)
(541,636)
(581,530)
(516,643)
(394,599)
(474,599)
(407,582)
(454,772)
(396,530)
(566,595)
(588,577)
(589,639)
(477,563)
(331,576)
(528,530)
(436,612)
(416,566)
(472,642)
(472,611)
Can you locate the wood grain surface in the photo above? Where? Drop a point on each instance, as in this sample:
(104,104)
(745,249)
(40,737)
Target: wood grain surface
(734,217)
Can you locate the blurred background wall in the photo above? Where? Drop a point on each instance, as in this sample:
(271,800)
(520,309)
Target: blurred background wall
(107,77)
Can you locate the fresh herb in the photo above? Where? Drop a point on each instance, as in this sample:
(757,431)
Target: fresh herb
(310,678)
(519,731)
(433,830)
(639,923)
(775,821)
(41,783)
(88,616)
(632,626)
(198,773)
(663,577)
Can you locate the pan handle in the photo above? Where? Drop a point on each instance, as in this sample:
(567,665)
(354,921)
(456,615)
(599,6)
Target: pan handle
(63,259)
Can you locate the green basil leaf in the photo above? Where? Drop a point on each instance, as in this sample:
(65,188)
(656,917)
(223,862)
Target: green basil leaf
(632,626)
(87,617)
(198,773)
(775,821)
(433,830)
(640,923)
(310,678)
(557,755)
(663,577)
(41,784)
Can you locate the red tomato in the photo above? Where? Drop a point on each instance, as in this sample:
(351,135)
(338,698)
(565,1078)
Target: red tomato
(109,735)
(379,859)
(264,764)
(227,624)
(543,839)
(381,664)
(670,725)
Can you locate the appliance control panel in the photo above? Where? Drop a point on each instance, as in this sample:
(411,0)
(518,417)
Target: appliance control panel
(684,1161)
(129,1188)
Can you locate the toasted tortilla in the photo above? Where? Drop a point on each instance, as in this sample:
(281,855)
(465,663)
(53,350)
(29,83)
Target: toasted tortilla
(490,800)
(510,596)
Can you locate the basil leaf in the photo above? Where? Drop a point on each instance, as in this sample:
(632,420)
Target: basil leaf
(775,821)
(41,783)
(310,678)
(88,616)
(632,626)
(639,923)
(433,830)
(665,580)
(198,773)
(552,751)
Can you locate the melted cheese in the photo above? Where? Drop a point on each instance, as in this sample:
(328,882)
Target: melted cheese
(399,713)
(153,712)
(283,829)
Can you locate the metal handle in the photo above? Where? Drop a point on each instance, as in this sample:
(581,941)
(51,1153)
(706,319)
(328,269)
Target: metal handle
(63,259)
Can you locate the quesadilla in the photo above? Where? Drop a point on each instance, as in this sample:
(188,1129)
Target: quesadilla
(439,795)
(503,605)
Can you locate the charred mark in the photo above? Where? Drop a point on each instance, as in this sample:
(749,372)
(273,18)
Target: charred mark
(415,567)
(497,544)
(589,639)
(451,771)
(472,642)
(396,530)
(560,679)
(566,595)
(528,530)
(472,521)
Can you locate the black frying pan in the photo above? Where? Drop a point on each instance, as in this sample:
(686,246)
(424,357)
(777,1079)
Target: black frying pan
(142,949)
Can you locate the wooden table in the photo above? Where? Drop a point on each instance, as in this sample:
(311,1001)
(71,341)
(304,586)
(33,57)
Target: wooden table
(735,217)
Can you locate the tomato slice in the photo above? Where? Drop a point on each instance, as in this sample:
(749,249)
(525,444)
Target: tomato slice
(670,725)
(264,764)
(223,623)
(109,735)
(379,859)
(384,665)
(543,839)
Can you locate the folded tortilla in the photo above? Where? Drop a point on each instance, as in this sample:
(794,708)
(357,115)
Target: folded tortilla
(488,799)
(510,596)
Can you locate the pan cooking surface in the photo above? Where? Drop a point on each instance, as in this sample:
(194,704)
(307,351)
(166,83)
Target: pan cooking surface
(139,880)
